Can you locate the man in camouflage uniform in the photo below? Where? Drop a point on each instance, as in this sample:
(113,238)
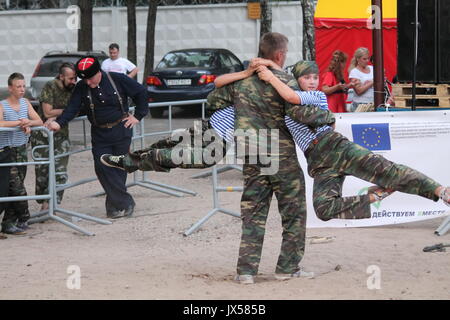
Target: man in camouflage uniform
(53,99)
(258,106)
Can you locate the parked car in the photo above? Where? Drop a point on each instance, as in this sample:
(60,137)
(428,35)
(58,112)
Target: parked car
(48,67)
(188,74)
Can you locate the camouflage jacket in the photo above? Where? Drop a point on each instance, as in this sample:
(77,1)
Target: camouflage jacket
(259,106)
(56,95)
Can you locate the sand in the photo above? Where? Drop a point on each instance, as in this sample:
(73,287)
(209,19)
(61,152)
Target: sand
(148,257)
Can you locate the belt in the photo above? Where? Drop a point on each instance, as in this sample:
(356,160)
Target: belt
(313,143)
(4,149)
(111,124)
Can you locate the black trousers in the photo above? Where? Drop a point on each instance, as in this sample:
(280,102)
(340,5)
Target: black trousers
(5,157)
(115,141)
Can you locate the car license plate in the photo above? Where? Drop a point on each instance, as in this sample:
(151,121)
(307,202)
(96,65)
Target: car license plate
(179,82)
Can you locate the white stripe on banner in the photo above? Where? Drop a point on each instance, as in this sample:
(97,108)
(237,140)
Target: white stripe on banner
(418,139)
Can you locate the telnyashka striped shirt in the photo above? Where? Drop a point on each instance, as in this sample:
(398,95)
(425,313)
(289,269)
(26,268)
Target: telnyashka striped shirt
(14,138)
(222,121)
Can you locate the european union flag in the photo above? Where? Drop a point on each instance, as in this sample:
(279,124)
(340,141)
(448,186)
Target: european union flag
(373,136)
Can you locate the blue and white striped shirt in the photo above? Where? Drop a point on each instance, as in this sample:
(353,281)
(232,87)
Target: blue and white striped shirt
(14,138)
(222,121)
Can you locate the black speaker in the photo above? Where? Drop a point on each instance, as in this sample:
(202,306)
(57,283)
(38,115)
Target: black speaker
(427,54)
(444,41)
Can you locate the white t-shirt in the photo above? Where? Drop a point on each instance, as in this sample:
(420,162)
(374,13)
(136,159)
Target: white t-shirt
(367,96)
(120,65)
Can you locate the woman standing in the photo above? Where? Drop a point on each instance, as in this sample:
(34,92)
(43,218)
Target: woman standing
(333,83)
(361,76)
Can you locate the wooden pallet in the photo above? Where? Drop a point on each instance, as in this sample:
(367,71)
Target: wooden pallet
(423,101)
(427,95)
(433,90)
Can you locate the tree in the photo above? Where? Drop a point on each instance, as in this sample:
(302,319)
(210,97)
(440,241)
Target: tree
(309,50)
(150,39)
(266,18)
(85,31)
(131,16)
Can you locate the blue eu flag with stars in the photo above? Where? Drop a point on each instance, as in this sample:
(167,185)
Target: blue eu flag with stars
(373,136)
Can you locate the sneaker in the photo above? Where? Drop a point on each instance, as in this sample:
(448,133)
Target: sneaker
(244,279)
(3,237)
(22,225)
(379,192)
(444,195)
(298,274)
(12,229)
(112,161)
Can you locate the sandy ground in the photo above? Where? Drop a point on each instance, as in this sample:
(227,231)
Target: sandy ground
(148,257)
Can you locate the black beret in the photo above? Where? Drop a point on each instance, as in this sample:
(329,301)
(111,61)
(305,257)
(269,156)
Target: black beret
(87,67)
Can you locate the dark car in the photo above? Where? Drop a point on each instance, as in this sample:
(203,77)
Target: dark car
(188,74)
(48,67)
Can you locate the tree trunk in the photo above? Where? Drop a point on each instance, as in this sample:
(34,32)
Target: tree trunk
(266,18)
(150,40)
(131,47)
(85,31)
(309,49)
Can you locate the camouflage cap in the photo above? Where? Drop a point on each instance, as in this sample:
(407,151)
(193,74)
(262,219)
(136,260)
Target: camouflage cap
(304,67)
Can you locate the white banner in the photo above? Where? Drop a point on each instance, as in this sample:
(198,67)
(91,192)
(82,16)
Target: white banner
(418,139)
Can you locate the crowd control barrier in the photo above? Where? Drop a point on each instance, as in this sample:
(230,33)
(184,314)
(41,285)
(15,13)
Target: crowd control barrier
(51,196)
(140,178)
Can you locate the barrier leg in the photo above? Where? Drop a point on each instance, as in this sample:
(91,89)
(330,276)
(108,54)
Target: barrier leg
(220,170)
(444,227)
(72,225)
(170,187)
(216,209)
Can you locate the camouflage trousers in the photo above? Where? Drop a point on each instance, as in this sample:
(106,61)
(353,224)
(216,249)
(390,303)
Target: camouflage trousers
(5,157)
(174,152)
(288,184)
(17,210)
(334,157)
(61,145)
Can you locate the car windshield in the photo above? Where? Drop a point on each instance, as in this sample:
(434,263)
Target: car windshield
(189,59)
(49,66)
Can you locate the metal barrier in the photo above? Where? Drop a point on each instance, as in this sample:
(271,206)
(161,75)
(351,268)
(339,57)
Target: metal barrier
(217,208)
(51,196)
(143,181)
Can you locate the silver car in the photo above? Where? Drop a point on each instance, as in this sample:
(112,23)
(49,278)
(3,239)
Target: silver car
(48,67)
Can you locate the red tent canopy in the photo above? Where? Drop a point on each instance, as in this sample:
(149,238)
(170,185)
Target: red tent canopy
(348,35)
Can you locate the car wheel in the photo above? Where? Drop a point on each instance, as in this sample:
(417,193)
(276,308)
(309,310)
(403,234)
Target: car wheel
(157,112)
